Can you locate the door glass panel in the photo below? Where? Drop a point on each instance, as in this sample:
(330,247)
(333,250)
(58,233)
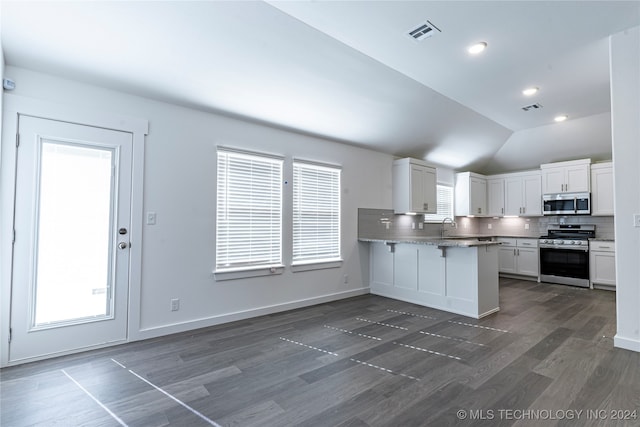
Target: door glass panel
(73,241)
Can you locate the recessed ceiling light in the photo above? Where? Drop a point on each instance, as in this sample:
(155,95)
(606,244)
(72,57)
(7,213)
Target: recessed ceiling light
(477,48)
(530,91)
(561,118)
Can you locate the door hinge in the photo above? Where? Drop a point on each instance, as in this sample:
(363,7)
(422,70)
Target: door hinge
(13,238)
(10,335)
(17,140)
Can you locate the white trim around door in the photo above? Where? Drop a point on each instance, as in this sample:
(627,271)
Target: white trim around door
(14,106)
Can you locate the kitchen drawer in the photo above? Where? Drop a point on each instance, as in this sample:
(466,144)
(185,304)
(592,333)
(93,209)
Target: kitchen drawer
(527,243)
(507,241)
(602,246)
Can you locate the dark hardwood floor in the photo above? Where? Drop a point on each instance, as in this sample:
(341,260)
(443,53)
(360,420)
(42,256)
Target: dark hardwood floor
(546,358)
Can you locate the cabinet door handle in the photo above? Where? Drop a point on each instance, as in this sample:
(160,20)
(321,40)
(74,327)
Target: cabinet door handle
(502,210)
(524,210)
(514,252)
(518,252)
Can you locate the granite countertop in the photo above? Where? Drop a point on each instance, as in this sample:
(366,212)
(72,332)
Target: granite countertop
(489,236)
(461,240)
(435,241)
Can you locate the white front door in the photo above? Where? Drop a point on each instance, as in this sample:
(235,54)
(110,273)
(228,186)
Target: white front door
(70,280)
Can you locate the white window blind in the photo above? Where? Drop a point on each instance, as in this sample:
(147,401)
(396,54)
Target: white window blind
(444,204)
(249,211)
(316,213)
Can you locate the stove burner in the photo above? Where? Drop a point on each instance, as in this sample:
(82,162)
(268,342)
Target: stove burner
(568,236)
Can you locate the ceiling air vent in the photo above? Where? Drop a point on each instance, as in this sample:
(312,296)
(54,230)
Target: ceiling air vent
(423,31)
(531,107)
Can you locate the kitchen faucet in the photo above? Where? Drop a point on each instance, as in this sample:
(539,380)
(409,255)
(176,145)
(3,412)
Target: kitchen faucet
(453,224)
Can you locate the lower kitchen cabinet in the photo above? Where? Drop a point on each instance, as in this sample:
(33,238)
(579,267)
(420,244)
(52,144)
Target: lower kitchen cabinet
(518,257)
(602,265)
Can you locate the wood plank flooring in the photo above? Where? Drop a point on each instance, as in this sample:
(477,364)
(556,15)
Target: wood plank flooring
(546,358)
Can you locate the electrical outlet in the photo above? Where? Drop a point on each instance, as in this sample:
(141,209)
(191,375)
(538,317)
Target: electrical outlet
(175,304)
(413,225)
(421,225)
(345,279)
(636,220)
(489,226)
(526,226)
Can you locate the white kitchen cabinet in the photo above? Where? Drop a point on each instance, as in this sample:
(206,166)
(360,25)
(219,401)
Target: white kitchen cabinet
(495,196)
(414,187)
(602,264)
(507,259)
(518,256)
(523,194)
(602,189)
(566,177)
(470,194)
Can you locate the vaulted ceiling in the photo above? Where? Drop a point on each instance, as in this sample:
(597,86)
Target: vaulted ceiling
(349,71)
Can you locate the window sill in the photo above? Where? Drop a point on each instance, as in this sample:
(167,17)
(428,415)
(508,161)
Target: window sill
(243,273)
(321,265)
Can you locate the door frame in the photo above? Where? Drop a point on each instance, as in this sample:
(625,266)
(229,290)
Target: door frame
(13,107)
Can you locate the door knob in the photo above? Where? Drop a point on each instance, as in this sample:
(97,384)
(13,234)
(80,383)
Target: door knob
(122,245)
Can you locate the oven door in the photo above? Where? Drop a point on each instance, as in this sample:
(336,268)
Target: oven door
(565,266)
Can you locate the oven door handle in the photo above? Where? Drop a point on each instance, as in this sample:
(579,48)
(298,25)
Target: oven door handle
(564,248)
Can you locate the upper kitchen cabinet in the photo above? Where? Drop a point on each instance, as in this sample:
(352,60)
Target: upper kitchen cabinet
(470,194)
(523,194)
(602,189)
(566,177)
(495,196)
(414,187)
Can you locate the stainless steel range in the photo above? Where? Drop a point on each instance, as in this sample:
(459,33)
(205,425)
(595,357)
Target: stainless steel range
(564,254)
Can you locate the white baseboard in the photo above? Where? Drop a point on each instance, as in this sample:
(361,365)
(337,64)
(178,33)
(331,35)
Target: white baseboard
(626,343)
(158,331)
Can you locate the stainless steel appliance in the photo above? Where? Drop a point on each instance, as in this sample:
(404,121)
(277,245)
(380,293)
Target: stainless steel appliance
(566,204)
(564,254)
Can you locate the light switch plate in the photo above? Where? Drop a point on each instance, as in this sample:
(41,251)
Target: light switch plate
(636,220)
(151,218)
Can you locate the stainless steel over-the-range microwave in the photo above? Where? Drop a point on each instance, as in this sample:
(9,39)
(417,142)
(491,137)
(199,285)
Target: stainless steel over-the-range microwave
(566,204)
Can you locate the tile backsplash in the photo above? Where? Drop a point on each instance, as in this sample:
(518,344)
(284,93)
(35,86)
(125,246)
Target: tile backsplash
(383,224)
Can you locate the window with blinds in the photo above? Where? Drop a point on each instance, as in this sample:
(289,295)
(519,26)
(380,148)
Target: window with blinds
(249,211)
(316,213)
(444,204)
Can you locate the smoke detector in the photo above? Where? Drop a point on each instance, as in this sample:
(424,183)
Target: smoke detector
(535,106)
(423,31)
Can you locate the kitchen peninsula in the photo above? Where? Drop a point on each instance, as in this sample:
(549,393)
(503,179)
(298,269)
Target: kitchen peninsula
(454,275)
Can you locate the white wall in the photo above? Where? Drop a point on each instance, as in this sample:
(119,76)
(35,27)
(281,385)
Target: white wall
(179,185)
(585,137)
(625,109)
